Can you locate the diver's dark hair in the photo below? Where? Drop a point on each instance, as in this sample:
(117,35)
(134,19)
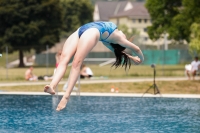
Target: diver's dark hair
(121,58)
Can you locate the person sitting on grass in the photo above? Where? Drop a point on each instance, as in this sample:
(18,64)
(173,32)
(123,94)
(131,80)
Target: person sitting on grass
(193,68)
(29,76)
(86,72)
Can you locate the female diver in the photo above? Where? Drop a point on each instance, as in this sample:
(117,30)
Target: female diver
(81,42)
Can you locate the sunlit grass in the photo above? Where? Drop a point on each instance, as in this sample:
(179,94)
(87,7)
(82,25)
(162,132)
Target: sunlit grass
(142,71)
(17,74)
(165,87)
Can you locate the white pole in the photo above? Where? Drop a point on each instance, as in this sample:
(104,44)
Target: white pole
(6,62)
(165,42)
(79,86)
(165,47)
(47,60)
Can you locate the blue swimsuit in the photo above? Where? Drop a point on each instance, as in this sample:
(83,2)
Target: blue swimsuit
(101,26)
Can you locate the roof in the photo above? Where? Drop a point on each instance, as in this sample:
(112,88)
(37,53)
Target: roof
(138,11)
(114,9)
(110,8)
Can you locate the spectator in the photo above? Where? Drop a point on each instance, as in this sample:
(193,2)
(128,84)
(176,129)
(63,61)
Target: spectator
(57,56)
(193,68)
(86,72)
(29,76)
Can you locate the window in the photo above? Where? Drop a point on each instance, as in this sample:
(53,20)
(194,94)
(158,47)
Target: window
(145,29)
(139,20)
(145,20)
(133,20)
(146,38)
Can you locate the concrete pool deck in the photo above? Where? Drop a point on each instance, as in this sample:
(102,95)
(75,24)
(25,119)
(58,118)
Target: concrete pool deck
(96,81)
(109,94)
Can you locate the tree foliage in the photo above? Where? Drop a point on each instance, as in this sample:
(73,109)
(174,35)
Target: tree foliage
(33,24)
(195,38)
(93,1)
(76,13)
(180,19)
(29,24)
(189,14)
(162,13)
(127,32)
(174,17)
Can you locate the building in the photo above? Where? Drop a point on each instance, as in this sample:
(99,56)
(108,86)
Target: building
(132,14)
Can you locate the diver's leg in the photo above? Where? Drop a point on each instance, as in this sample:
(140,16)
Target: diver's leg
(68,51)
(86,43)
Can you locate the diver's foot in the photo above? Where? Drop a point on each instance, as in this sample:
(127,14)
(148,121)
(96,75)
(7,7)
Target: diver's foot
(49,90)
(62,103)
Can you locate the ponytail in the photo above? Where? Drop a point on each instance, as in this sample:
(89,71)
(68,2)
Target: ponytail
(121,58)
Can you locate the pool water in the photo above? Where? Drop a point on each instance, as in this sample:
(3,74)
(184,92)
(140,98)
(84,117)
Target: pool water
(88,114)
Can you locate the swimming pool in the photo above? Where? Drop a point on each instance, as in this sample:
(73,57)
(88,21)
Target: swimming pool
(99,114)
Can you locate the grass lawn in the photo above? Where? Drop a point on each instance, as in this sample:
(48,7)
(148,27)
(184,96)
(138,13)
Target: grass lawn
(170,87)
(17,74)
(166,87)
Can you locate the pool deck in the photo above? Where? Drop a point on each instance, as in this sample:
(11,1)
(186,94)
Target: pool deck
(109,94)
(96,81)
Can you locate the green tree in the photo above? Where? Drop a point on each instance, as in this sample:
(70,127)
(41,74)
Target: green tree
(174,17)
(29,24)
(127,32)
(76,13)
(195,38)
(188,14)
(162,12)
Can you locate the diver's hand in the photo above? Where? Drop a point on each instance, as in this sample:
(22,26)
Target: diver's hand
(135,59)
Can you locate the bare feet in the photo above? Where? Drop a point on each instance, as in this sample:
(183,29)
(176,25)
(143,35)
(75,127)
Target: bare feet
(49,90)
(62,103)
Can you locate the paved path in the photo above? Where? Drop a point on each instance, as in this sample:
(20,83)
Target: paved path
(108,94)
(95,81)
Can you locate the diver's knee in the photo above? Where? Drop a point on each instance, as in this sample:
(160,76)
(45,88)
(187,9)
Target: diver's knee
(64,58)
(77,63)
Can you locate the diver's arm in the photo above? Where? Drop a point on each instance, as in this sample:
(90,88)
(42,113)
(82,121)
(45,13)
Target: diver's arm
(133,49)
(135,59)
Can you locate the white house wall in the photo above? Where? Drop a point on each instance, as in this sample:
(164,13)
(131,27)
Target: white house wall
(144,37)
(96,16)
(128,21)
(128,6)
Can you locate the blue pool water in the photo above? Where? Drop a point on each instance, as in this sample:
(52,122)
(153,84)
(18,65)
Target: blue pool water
(31,114)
